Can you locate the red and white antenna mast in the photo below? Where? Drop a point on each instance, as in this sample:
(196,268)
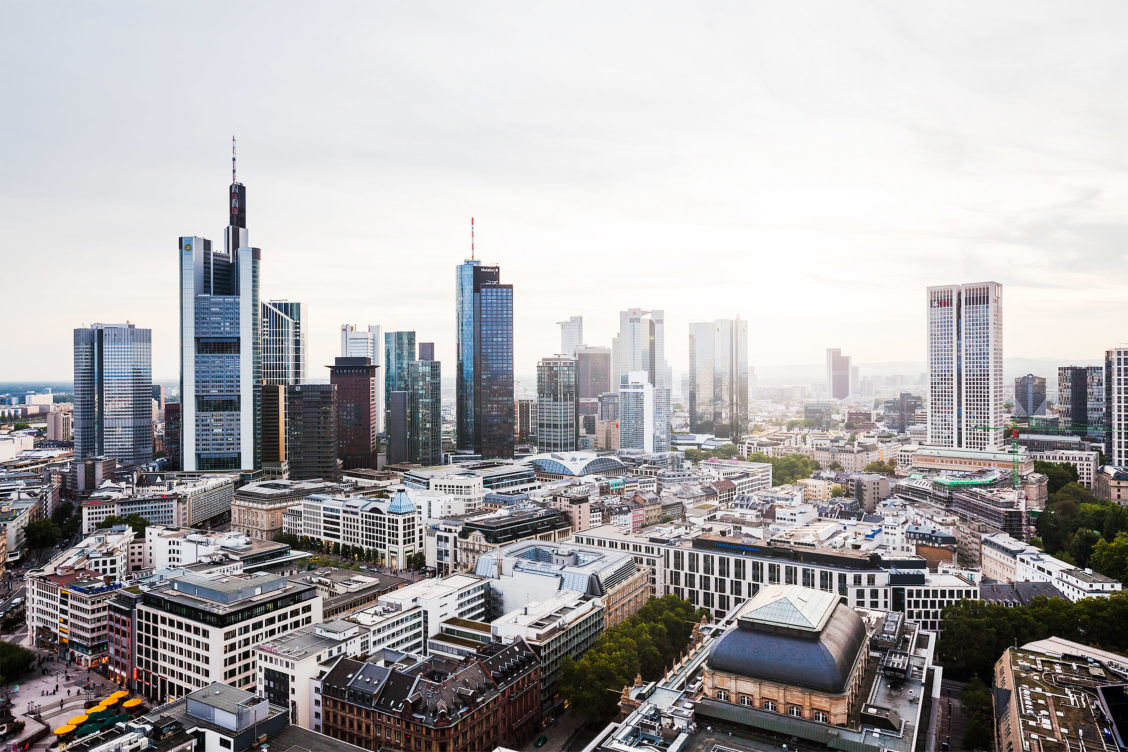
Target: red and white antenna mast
(233,180)
(471,238)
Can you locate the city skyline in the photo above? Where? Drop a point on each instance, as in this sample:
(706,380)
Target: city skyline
(963,175)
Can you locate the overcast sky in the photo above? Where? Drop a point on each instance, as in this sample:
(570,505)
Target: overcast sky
(808,166)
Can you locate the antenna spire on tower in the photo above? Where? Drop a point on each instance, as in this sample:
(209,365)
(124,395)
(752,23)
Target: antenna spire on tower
(471,238)
(233,180)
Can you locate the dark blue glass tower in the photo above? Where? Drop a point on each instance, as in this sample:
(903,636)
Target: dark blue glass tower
(485,405)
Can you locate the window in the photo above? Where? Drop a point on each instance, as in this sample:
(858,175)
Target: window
(795,710)
(768,705)
(820,716)
(746,701)
(722,695)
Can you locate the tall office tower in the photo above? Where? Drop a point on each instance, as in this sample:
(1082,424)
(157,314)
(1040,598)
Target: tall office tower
(855,379)
(558,405)
(355,379)
(173,434)
(283,342)
(636,412)
(221,347)
(274,430)
(113,393)
(593,372)
(965,366)
(900,413)
(526,421)
(159,399)
(663,431)
(399,350)
(571,335)
(424,408)
(368,343)
(718,377)
(485,400)
(609,406)
(1116,406)
(1029,396)
(397,446)
(311,432)
(837,374)
(1081,399)
(641,346)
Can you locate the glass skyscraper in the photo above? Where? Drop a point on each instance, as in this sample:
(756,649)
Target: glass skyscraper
(557,405)
(485,400)
(718,377)
(283,342)
(221,348)
(113,382)
(424,410)
(399,350)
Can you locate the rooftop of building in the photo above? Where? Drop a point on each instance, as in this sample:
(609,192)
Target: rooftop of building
(224,593)
(283,489)
(582,569)
(558,609)
(576,464)
(437,587)
(311,639)
(237,709)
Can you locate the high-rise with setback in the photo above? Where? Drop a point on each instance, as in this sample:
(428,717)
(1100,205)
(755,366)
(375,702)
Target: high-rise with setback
(965,366)
(221,347)
(367,343)
(113,405)
(718,377)
(837,374)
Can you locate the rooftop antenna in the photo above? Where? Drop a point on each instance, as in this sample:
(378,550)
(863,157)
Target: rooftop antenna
(471,238)
(233,180)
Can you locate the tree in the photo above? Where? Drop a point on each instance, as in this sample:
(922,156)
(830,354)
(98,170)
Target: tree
(837,492)
(836,465)
(39,535)
(1111,557)
(1059,474)
(135,521)
(14,661)
(884,468)
(787,469)
(976,701)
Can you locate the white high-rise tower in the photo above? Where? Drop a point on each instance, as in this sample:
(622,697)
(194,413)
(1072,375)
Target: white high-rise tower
(965,366)
(571,335)
(359,343)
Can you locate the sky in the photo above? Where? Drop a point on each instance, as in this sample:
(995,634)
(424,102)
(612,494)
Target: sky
(810,167)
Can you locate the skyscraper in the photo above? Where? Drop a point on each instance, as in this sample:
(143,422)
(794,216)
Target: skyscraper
(718,377)
(1081,399)
(1029,396)
(485,399)
(355,379)
(641,346)
(557,405)
(221,347)
(571,335)
(965,365)
(397,446)
(837,374)
(113,402)
(357,343)
(526,421)
(399,350)
(424,409)
(1116,405)
(636,412)
(311,432)
(283,342)
(593,372)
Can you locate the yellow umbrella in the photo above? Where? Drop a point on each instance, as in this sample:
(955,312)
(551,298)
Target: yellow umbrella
(131,703)
(61,730)
(109,701)
(77,720)
(120,694)
(96,709)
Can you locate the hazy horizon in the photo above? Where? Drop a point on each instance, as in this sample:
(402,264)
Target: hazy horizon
(811,168)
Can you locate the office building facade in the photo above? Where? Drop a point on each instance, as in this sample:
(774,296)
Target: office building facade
(557,405)
(636,412)
(311,432)
(283,342)
(593,372)
(641,346)
(485,395)
(1081,399)
(1116,406)
(424,410)
(837,374)
(355,379)
(965,366)
(399,350)
(367,343)
(221,347)
(526,421)
(718,378)
(113,379)
(571,335)
(1029,396)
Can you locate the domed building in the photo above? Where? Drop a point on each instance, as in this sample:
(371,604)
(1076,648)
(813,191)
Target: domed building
(792,650)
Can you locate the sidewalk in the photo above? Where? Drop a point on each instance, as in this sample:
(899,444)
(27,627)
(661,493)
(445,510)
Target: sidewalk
(45,692)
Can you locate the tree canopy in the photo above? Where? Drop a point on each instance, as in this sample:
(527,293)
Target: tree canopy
(884,468)
(1059,474)
(787,469)
(135,521)
(975,633)
(41,534)
(1075,521)
(647,643)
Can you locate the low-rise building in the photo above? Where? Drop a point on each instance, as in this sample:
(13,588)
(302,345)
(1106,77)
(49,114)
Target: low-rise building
(347,590)
(393,528)
(1112,484)
(257,508)
(1085,462)
(457,595)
